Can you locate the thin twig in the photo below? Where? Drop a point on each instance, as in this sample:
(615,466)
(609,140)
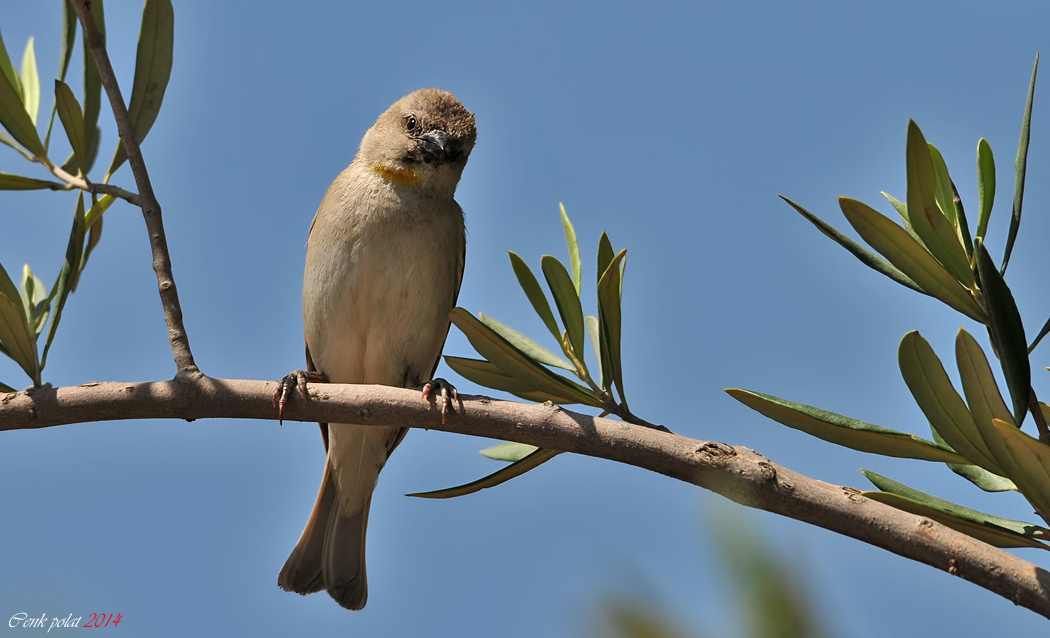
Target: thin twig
(1040,420)
(70,182)
(102,189)
(115,191)
(169,296)
(735,472)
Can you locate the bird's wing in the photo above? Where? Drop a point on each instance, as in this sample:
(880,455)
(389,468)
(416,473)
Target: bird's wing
(312,368)
(455,297)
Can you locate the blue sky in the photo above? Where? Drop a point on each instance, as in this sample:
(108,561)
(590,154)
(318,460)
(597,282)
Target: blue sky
(671,127)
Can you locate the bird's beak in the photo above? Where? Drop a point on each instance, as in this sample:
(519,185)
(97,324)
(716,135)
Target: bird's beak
(436,145)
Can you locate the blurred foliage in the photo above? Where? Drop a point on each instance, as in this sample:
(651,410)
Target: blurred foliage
(29,309)
(977,434)
(628,618)
(769,596)
(771,603)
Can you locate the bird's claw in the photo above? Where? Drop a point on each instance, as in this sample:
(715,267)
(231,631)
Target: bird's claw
(295,380)
(443,389)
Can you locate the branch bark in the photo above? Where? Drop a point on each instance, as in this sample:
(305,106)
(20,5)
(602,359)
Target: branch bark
(169,296)
(736,472)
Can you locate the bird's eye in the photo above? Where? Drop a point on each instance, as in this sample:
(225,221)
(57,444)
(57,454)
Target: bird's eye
(410,123)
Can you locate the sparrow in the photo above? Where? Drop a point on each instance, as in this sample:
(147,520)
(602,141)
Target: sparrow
(384,263)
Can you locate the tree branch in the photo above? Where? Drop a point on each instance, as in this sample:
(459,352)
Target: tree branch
(736,472)
(169,296)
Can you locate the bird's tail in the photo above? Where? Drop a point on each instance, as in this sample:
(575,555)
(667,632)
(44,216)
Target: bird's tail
(302,571)
(330,554)
(343,558)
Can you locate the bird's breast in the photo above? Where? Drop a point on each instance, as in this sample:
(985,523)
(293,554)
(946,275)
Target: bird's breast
(382,272)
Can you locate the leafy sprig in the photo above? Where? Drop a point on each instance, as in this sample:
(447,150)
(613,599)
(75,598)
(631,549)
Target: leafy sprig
(515,363)
(976,434)
(29,310)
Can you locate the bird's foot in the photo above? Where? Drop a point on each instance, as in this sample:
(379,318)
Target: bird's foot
(296,379)
(444,389)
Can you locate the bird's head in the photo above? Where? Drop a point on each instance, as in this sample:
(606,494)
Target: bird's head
(422,141)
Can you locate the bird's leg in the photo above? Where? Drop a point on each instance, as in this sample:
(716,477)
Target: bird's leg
(296,379)
(444,389)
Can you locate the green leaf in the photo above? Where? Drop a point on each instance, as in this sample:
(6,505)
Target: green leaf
(594,332)
(36,300)
(6,388)
(1005,458)
(70,268)
(902,210)
(1007,333)
(9,182)
(601,348)
(1020,167)
(69,34)
(72,120)
(537,458)
(525,344)
(492,376)
(509,451)
(609,311)
(488,374)
(982,478)
(933,391)
(964,227)
(93,222)
(994,530)
(93,144)
(534,292)
(937,231)
(7,69)
(70,26)
(567,300)
(865,256)
(93,87)
(605,254)
(94,214)
(16,336)
(844,431)
(94,236)
(896,245)
(899,206)
(16,120)
(943,187)
(152,71)
(30,82)
(513,363)
(10,141)
(978,382)
(1027,463)
(574,249)
(985,186)
(985,403)
(979,476)
(950,203)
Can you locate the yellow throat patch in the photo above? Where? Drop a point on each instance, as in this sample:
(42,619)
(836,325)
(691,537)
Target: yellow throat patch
(396,174)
